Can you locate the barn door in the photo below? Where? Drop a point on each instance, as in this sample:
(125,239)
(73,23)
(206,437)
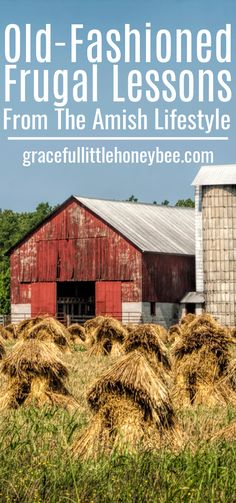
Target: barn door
(108,298)
(43,298)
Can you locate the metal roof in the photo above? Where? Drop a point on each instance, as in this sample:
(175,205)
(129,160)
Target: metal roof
(150,227)
(193,298)
(224,174)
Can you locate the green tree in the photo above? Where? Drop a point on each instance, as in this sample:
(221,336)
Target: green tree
(165,203)
(132,199)
(13,226)
(185,203)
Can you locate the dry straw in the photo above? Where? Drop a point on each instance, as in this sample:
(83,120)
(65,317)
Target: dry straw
(131,401)
(12,330)
(108,337)
(90,327)
(2,349)
(201,359)
(4,333)
(49,330)
(25,325)
(35,376)
(148,339)
(77,333)
(228,433)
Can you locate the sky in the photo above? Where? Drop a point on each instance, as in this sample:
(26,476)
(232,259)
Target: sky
(21,189)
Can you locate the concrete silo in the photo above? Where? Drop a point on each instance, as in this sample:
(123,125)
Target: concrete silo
(215,201)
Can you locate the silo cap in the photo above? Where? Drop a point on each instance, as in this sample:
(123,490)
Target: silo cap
(224,174)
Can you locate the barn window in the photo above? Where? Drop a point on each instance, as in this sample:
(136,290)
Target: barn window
(153,308)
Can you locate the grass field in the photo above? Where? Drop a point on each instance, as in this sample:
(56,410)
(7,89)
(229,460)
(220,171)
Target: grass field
(36,464)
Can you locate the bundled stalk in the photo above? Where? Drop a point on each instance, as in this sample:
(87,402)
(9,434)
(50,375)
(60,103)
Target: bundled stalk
(2,349)
(48,330)
(77,333)
(108,338)
(90,326)
(4,333)
(25,325)
(147,339)
(35,375)
(131,402)
(12,330)
(201,359)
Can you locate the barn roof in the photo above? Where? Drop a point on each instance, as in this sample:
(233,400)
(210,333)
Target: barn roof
(152,228)
(224,174)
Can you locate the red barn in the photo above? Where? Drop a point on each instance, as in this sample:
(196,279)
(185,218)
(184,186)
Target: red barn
(129,260)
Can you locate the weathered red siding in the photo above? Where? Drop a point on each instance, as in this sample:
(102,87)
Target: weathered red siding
(167,278)
(43,299)
(108,298)
(76,245)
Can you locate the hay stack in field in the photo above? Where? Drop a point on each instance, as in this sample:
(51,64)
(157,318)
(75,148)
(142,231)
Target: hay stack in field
(50,330)
(25,325)
(233,335)
(201,360)
(161,332)
(188,318)
(130,327)
(2,349)
(108,338)
(93,323)
(77,333)
(131,402)
(35,376)
(4,333)
(174,332)
(12,330)
(146,338)
(90,327)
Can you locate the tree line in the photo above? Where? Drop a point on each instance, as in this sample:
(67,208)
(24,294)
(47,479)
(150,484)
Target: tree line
(13,226)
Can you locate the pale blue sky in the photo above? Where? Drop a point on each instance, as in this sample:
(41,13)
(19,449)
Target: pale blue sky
(23,188)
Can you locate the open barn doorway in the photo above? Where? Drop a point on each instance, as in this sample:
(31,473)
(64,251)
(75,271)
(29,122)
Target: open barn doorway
(75,300)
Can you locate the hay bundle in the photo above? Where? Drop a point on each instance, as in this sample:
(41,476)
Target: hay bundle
(146,338)
(12,330)
(4,333)
(188,318)
(2,349)
(173,333)
(25,325)
(230,376)
(132,409)
(201,359)
(90,326)
(233,335)
(108,338)
(130,327)
(161,331)
(49,330)
(204,331)
(35,376)
(93,323)
(77,333)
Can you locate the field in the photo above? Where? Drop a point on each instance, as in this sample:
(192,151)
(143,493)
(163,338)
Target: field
(36,464)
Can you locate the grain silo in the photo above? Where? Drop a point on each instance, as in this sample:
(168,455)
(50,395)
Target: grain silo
(215,201)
